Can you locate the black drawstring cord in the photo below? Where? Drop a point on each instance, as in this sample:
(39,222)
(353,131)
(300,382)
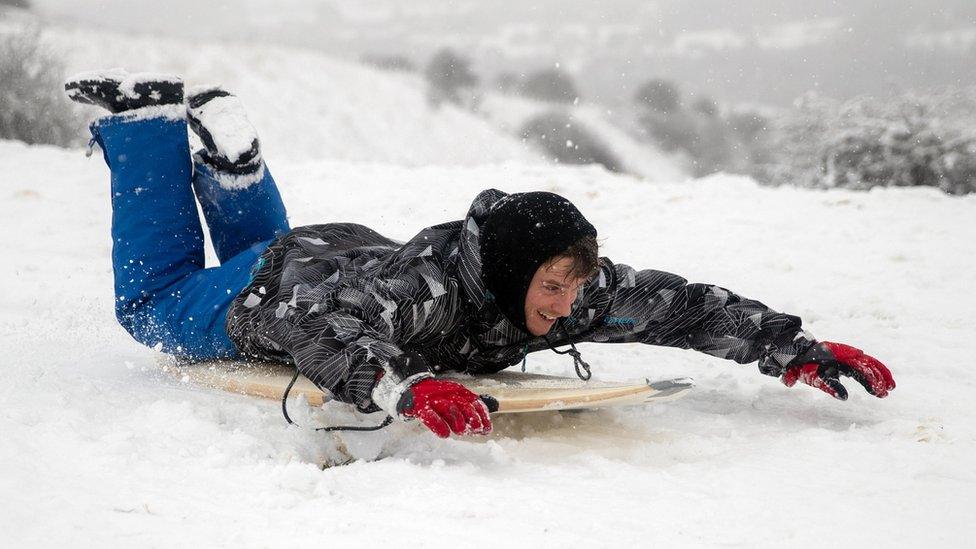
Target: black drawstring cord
(582,368)
(284,410)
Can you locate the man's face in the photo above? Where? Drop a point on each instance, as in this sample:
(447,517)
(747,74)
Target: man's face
(551,295)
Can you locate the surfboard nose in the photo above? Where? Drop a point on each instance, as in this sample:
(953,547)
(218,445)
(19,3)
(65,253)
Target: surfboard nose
(668,387)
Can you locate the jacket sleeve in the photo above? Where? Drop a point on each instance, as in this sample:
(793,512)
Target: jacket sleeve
(661,308)
(342,353)
(344,349)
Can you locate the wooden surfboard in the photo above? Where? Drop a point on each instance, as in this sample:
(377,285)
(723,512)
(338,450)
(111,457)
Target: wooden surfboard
(515,391)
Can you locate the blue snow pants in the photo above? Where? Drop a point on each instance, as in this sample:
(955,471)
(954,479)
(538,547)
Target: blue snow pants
(164,295)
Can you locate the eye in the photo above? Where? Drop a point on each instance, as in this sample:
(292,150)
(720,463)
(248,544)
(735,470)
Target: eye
(551,289)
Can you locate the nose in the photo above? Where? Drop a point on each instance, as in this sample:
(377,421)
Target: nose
(563,304)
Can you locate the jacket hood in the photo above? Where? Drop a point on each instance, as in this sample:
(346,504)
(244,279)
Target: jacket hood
(505,237)
(470,246)
(524,231)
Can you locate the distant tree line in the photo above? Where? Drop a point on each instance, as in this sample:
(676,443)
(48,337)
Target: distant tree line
(712,140)
(450,80)
(911,140)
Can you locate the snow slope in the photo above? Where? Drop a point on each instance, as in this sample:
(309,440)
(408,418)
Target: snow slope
(101,448)
(642,159)
(306,104)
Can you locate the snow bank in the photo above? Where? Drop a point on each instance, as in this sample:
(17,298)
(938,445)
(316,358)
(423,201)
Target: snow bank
(99,447)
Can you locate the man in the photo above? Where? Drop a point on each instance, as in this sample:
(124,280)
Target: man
(371,320)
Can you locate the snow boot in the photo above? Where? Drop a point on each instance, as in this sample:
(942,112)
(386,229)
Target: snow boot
(118,91)
(230,143)
(236,192)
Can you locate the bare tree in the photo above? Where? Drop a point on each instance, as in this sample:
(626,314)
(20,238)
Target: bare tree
(550,85)
(449,76)
(659,95)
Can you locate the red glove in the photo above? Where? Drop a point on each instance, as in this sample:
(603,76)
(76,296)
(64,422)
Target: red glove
(823,364)
(445,407)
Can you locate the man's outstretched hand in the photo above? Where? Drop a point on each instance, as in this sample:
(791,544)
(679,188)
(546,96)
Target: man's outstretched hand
(445,407)
(823,364)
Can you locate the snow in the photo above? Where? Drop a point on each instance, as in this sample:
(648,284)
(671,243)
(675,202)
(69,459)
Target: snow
(97,436)
(226,120)
(169,112)
(303,103)
(326,108)
(100,447)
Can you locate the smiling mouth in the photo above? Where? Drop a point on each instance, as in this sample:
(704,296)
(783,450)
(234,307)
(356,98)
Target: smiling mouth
(546,317)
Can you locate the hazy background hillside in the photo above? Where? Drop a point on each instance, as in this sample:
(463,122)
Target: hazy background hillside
(857,94)
(753,50)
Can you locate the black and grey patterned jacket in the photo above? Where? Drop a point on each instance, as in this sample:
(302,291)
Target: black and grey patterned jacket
(339,300)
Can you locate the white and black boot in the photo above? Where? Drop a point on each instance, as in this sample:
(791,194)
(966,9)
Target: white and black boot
(119,91)
(230,142)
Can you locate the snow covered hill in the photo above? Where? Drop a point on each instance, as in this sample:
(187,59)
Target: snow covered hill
(309,105)
(306,104)
(642,159)
(99,447)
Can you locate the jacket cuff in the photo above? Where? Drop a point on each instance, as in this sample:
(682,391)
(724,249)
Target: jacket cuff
(778,356)
(399,373)
(388,391)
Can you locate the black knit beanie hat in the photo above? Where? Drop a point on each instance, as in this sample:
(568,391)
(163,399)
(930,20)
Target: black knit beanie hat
(522,232)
